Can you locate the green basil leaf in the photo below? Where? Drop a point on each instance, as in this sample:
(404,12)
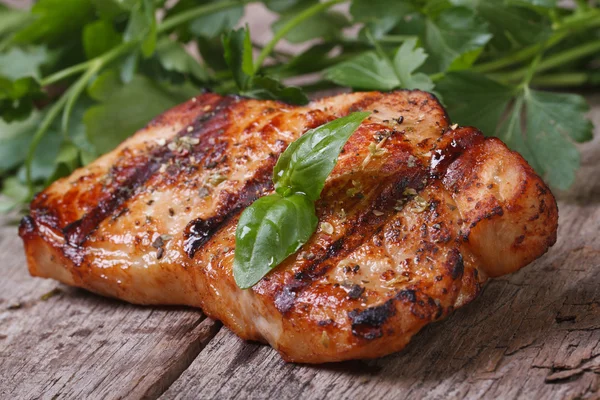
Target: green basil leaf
(307,162)
(268,231)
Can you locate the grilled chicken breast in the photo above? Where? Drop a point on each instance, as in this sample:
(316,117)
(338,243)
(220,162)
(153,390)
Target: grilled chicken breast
(415,217)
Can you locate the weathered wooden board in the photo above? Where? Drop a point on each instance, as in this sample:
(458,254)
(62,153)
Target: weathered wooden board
(68,343)
(535,334)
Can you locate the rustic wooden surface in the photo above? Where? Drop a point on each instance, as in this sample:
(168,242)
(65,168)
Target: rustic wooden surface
(535,334)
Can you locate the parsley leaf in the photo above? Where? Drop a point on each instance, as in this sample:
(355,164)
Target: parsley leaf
(371,71)
(367,71)
(56,20)
(142,27)
(17,97)
(128,108)
(554,122)
(456,38)
(238,55)
(23,62)
(408,58)
(99,37)
(472,99)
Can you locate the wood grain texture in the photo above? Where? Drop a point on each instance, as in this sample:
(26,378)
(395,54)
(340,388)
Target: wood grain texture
(60,342)
(535,334)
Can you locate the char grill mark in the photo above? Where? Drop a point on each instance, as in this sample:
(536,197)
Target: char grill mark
(199,231)
(206,126)
(367,224)
(362,227)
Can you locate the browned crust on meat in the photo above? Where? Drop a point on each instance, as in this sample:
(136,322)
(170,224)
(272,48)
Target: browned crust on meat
(487,213)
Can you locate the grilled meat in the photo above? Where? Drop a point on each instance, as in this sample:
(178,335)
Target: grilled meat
(415,217)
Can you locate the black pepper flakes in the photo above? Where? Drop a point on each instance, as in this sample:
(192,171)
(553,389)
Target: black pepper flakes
(355,292)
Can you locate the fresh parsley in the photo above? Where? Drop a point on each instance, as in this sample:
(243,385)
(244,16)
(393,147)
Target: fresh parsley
(79,76)
(276,226)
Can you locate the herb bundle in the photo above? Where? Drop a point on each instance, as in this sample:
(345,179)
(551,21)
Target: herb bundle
(79,76)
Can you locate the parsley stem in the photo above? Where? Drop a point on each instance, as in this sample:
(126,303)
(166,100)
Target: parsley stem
(74,93)
(397,38)
(591,19)
(553,61)
(166,25)
(291,24)
(84,66)
(196,12)
(37,137)
(567,79)
(519,56)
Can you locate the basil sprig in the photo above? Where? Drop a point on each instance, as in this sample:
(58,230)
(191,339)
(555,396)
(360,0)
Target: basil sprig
(277,225)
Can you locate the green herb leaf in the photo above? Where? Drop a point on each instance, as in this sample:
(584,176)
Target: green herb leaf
(268,231)
(326,25)
(129,108)
(307,162)
(456,38)
(371,71)
(267,88)
(367,71)
(554,122)
(23,62)
(408,58)
(276,226)
(174,57)
(238,55)
(12,19)
(99,37)
(213,25)
(14,137)
(375,10)
(472,99)
(14,194)
(56,20)
(17,97)
(511,26)
(142,27)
